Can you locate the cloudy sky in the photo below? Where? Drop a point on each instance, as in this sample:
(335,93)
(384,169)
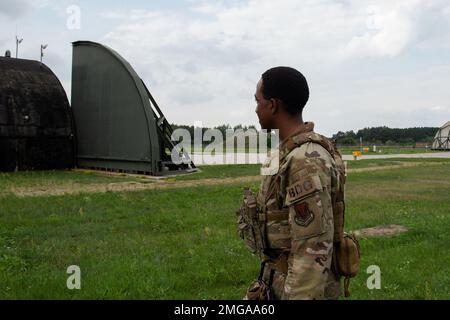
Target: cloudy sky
(369,63)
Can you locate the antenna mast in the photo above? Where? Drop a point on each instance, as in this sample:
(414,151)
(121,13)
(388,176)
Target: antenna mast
(43,47)
(18,41)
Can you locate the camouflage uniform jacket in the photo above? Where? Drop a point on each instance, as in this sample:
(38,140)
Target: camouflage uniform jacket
(296,197)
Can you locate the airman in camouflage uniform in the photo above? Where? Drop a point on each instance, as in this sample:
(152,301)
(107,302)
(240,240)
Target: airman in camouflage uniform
(294,230)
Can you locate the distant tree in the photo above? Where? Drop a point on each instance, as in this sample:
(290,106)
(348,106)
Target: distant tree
(347,141)
(338,136)
(400,136)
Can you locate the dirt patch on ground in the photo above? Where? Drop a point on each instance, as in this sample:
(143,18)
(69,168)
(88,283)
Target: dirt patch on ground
(381,231)
(76,188)
(132,175)
(157,184)
(401,165)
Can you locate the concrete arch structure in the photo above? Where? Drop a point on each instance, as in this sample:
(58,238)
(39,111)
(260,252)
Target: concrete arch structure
(442,138)
(119,124)
(36,127)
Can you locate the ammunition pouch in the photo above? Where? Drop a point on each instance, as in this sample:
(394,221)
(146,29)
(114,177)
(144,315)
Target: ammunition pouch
(347,259)
(338,218)
(251,225)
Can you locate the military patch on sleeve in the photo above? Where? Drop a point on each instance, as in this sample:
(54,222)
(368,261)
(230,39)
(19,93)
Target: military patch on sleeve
(314,154)
(303,216)
(302,189)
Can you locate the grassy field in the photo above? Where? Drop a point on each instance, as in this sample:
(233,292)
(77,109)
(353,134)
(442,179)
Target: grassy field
(42,179)
(183,243)
(346,150)
(386,150)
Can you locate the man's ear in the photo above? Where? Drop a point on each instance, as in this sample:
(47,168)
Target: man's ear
(274,106)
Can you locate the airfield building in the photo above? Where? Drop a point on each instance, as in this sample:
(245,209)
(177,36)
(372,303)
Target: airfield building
(120,127)
(442,138)
(114,123)
(36,128)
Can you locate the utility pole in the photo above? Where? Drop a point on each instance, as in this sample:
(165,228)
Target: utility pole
(43,47)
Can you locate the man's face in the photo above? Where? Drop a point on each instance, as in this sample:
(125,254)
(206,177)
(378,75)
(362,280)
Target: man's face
(263,108)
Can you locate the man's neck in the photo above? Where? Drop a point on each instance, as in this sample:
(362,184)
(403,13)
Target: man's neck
(289,128)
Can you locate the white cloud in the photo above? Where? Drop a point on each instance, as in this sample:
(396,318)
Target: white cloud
(134,14)
(12,8)
(392,32)
(206,7)
(17,8)
(213,64)
(209,65)
(441,109)
(394,26)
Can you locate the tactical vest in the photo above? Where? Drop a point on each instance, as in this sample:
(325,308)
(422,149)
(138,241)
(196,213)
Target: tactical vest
(338,198)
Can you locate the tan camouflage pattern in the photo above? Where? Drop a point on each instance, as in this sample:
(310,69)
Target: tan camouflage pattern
(300,193)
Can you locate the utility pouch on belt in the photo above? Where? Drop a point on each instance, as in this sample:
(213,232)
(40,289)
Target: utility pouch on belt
(347,259)
(260,290)
(251,226)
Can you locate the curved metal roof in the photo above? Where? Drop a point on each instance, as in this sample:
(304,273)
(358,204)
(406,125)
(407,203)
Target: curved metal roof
(32,88)
(114,120)
(442,138)
(129,69)
(446,125)
(119,124)
(36,127)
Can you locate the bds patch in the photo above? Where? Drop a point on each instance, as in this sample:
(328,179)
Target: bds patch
(303,189)
(303,215)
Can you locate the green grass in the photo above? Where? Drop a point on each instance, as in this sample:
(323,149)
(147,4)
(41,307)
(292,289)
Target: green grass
(415,265)
(345,150)
(360,164)
(183,244)
(148,245)
(233,171)
(58,178)
(435,160)
(53,179)
(223,171)
(386,150)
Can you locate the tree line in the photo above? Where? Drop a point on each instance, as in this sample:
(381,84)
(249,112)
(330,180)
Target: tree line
(223,128)
(387,136)
(376,135)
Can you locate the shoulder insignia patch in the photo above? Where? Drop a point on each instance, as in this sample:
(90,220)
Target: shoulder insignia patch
(303,216)
(313,154)
(304,188)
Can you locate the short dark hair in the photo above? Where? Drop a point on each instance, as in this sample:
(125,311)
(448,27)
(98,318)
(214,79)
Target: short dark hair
(288,85)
